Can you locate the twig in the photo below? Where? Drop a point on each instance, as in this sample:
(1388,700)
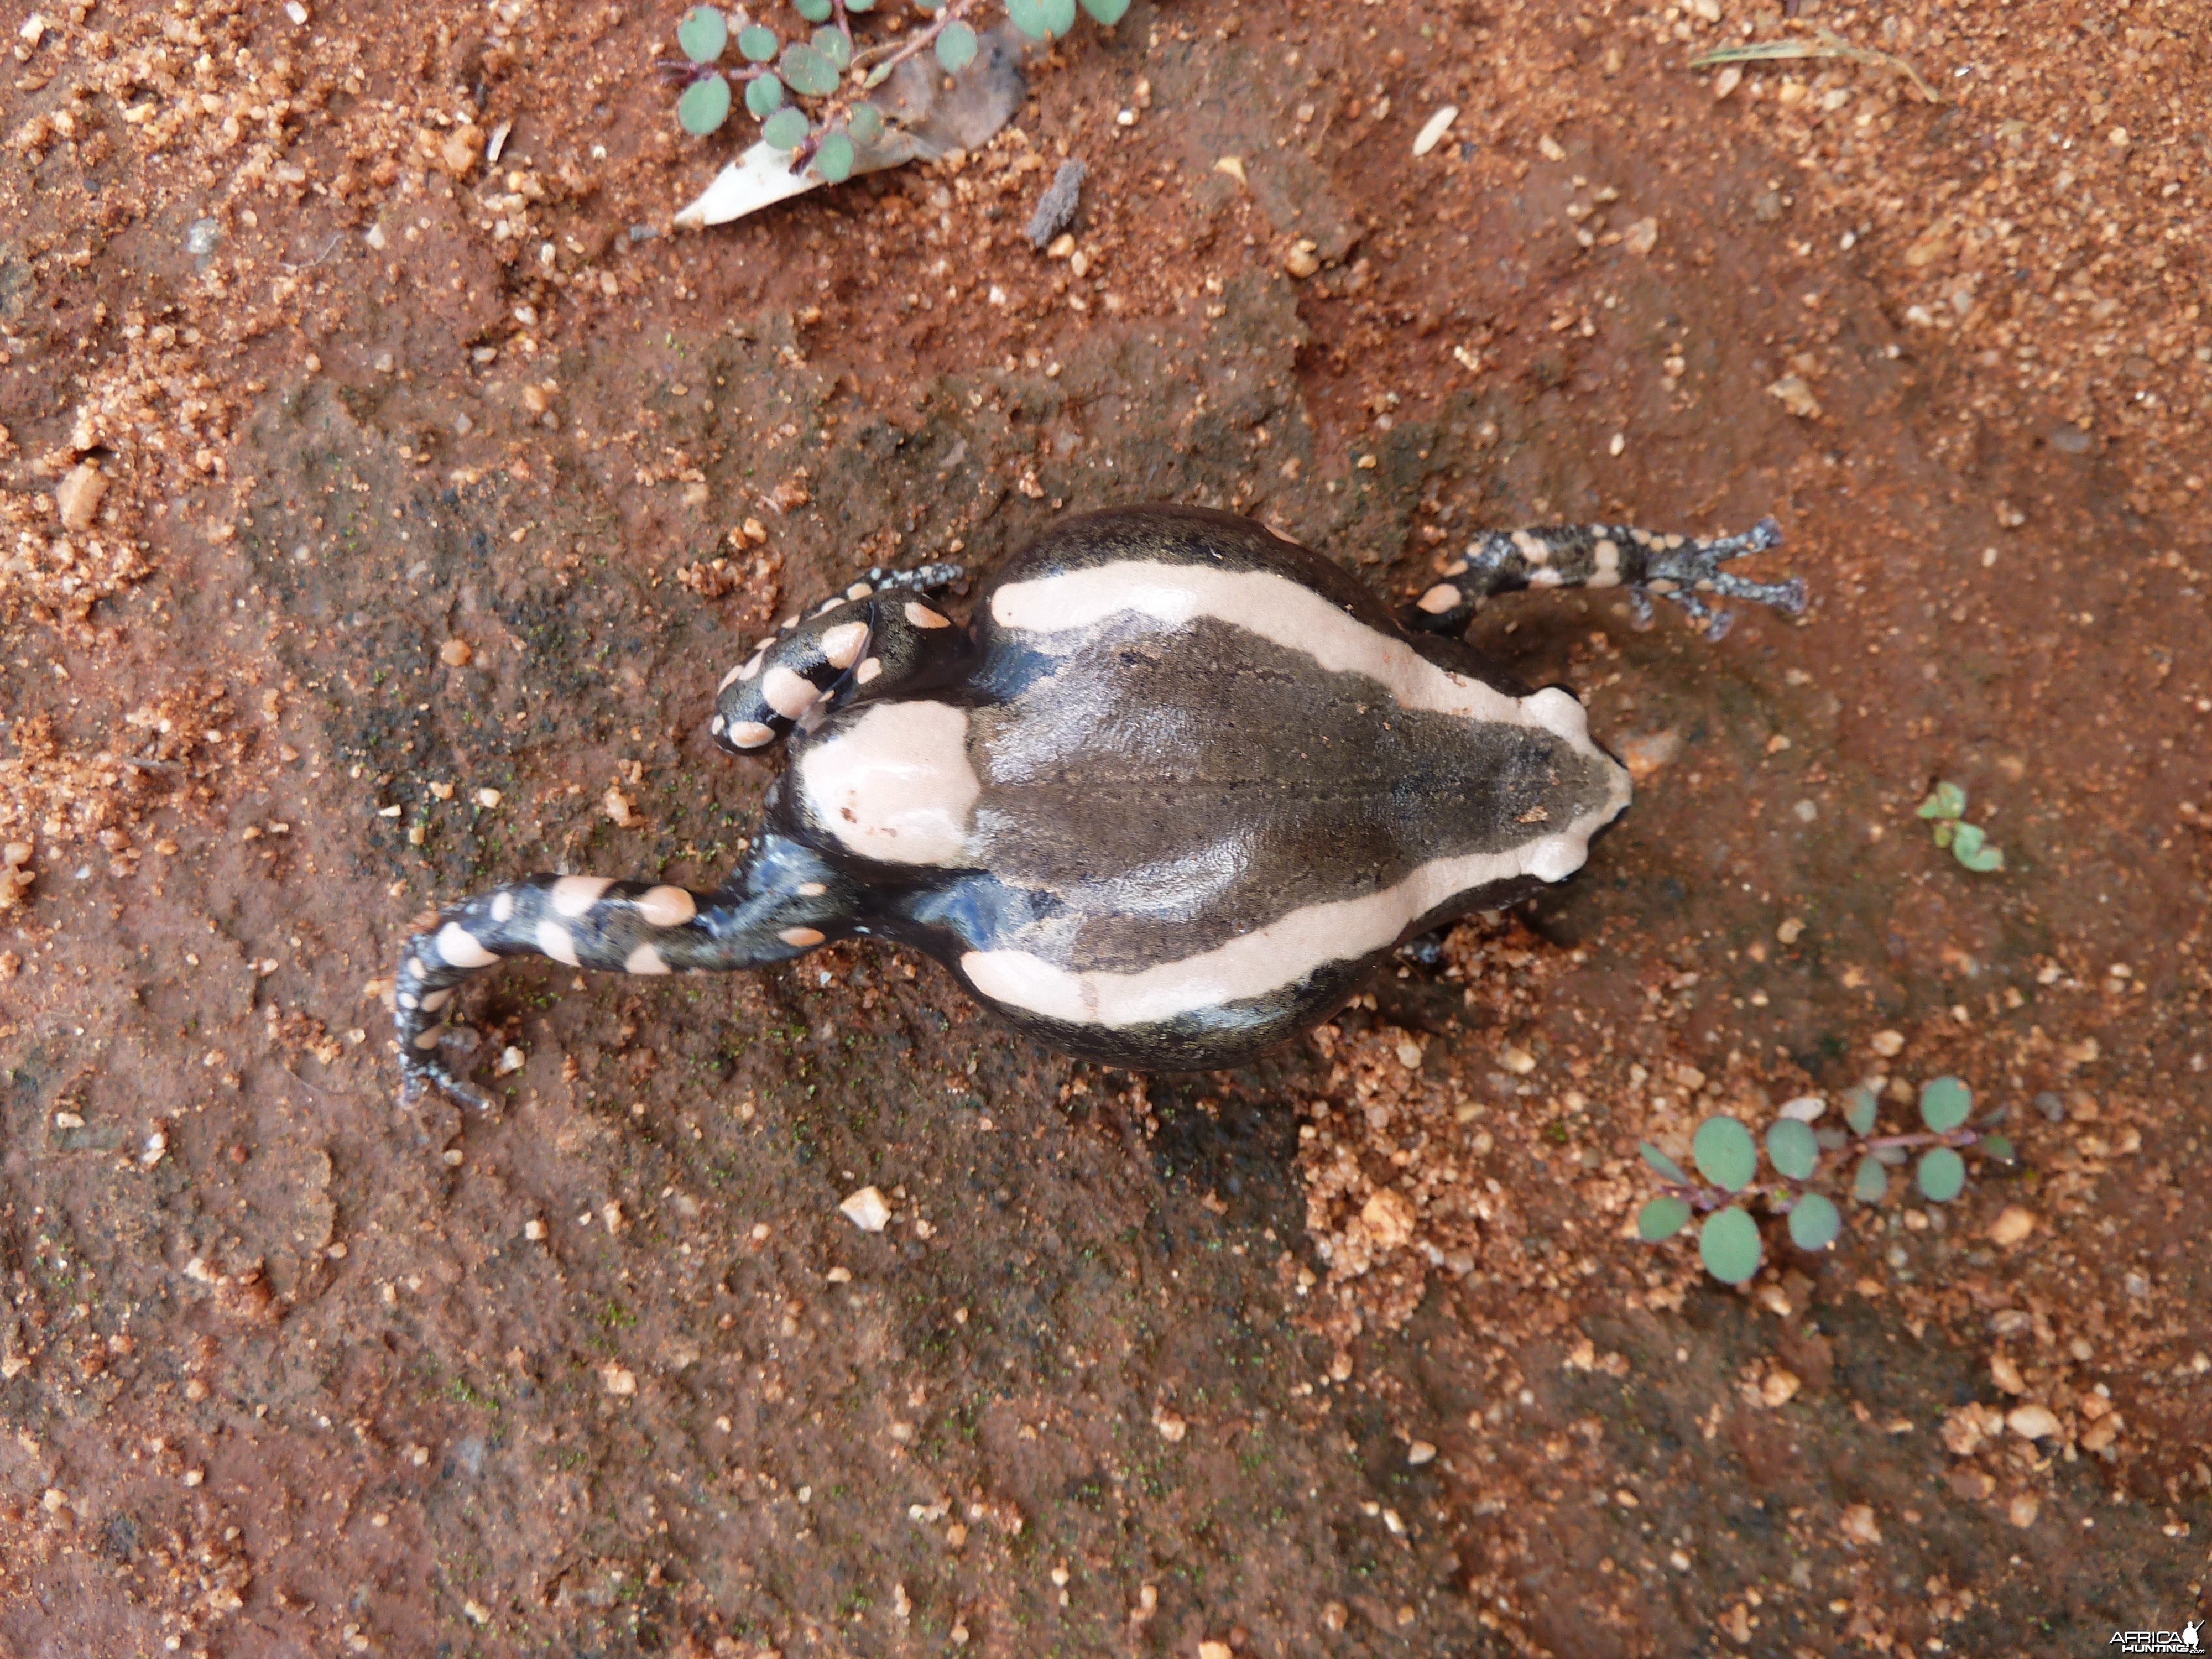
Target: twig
(1828,45)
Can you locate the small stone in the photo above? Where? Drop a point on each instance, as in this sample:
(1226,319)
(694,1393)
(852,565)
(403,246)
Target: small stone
(2012,1224)
(2023,1510)
(477,1613)
(2051,1106)
(1858,1525)
(1791,930)
(1334,1615)
(1060,247)
(2006,1374)
(1172,1428)
(1388,1217)
(201,237)
(1779,1388)
(1516,1060)
(1420,1452)
(1550,147)
(1646,754)
(1409,1054)
(1888,1044)
(1302,261)
(616,806)
(511,1061)
(867,1209)
(618,1380)
(1642,236)
(1727,81)
(1795,396)
(1433,130)
(78,494)
(1970,1484)
(489,799)
(1056,209)
(534,1231)
(1212,1649)
(455,654)
(2032,1422)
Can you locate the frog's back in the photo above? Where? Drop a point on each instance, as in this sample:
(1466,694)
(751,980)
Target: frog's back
(1199,770)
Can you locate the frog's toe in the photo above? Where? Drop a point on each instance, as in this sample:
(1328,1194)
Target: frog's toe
(427,1072)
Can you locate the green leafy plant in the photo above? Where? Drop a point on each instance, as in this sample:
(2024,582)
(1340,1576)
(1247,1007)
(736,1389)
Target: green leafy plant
(1728,1186)
(807,86)
(1946,811)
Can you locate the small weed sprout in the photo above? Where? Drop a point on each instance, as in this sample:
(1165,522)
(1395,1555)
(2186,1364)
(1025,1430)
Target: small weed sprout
(1728,1160)
(807,86)
(1946,810)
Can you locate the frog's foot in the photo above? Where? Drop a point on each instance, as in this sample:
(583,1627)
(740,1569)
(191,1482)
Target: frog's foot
(1691,568)
(1684,568)
(782,903)
(419,1072)
(868,638)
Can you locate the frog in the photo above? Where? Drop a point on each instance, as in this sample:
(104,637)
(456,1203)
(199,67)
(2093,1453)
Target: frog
(1164,801)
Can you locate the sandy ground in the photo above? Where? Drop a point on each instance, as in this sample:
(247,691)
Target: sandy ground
(379,523)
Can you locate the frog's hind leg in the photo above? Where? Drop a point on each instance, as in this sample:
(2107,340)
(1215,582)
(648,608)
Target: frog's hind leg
(872,635)
(783,903)
(1684,568)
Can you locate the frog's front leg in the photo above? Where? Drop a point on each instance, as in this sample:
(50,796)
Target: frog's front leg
(782,903)
(874,634)
(1683,569)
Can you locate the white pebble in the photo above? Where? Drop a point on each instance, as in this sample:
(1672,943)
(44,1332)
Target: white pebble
(1433,130)
(867,1209)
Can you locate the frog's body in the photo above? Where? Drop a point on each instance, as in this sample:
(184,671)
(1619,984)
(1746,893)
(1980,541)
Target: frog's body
(1165,802)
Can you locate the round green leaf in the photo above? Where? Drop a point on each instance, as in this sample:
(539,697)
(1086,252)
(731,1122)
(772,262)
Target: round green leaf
(1791,1148)
(1870,1181)
(784,129)
(929,6)
(758,42)
(1945,1103)
(1814,1223)
(814,11)
(865,124)
(807,72)
(1659,1161)
(1729,1243)
(703,32)
(956,47)
(859,6)
(1942,1174)
(834,159)
(763,96)
(1060,15)
(1108,12)
(1028,16)
(1947,801)
(704,106)
(1661,1219)
(1723,1150)
(1998,1147)
(1859,1109)
(835,45)
(1981,858)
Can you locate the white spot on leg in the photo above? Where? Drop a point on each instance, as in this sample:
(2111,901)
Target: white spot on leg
(557,942)
(1440,598)
(429,1039)
(457,946)
(788,693)
(895,784)
(859,590)
(1606,572)
(646,959)
(1530,548)
(922,616)
(843,642)
(801,936)
(868,670)
(666,907)
(715,726)
(502,907)
(434,1000)
(573,895)
(812,889)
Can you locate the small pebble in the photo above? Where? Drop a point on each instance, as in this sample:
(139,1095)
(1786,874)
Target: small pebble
(487,798)
(1888,1044)
(2032,1422)
(455,654)
(2051,1106)
(1056,209)
(201,237)
(2012,1224)
(1420,1452)
(867,1209)
(1433,130)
